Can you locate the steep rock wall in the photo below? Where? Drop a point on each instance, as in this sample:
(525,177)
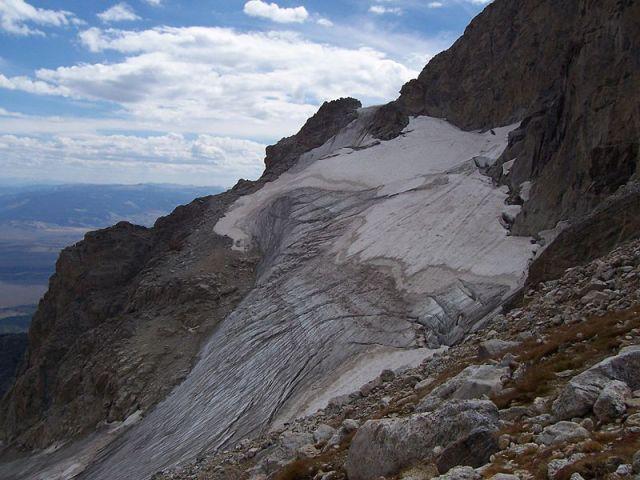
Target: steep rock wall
(570,70)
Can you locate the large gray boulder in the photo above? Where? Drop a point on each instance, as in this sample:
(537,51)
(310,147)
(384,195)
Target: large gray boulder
(611,402)
(465,431)
(578,397)
(561,433)
(475,381)
(494,346)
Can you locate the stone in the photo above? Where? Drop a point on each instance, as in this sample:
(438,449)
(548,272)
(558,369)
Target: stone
(464,429)
(460,473)
(611,401)
(562,432)
(475,381)
(423,384)
(580,394)
(624,470)
(307,451)
(323,433)
(494,347)
(554,467)
(504,476)
(636,462)
(419,472)
(504,441)
(349,425)
(576,476)
(387,375)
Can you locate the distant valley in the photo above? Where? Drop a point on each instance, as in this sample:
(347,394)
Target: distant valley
(37,221)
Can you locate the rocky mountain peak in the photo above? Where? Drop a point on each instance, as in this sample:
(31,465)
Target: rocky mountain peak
(324,124)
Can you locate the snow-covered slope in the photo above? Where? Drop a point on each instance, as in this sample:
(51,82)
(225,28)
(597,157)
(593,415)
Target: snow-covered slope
(375,253)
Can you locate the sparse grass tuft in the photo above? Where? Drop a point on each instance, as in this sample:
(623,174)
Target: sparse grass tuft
(570,347)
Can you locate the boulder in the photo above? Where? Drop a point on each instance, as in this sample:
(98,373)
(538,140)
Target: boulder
(340,435)
(494,347)
(475,381)
(420,472)
(290,445)
(562,432)
(555,467)
(611,401)
(460,473)
(636,462)
(323,433)
(465,429)
(578,397)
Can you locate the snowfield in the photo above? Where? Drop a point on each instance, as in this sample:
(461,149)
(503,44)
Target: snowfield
(432,206)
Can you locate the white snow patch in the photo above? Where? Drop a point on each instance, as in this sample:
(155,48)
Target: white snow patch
(507,166)
(525,190)
(429,146)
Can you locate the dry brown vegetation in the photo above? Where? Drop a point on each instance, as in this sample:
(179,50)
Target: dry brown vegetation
(306,468)
(570,347)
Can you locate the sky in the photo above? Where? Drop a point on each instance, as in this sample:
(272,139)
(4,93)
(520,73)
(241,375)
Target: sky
(191,92)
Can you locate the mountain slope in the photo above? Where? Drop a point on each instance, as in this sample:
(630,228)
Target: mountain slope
(372,239)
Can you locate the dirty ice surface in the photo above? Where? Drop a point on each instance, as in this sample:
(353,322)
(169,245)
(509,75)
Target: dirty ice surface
(433,207)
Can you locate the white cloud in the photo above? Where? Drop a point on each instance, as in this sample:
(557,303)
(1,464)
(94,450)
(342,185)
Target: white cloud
(197,82)
(120,12)
(272,11)
(154,3)
(325,22)
(435,4)
(126,158)
(26,84)
(381,10)
(221,78)
(16,16)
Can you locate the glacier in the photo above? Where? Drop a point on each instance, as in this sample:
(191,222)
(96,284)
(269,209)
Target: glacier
(375,254)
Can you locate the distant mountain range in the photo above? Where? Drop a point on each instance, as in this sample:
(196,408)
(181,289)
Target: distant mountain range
(94,206)
(37,221)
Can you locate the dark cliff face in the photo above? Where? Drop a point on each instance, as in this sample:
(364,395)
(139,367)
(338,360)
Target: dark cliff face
(12,348)
(570,70)
(128,307)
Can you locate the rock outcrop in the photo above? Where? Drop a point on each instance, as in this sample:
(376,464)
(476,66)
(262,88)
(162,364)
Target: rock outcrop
(567,69)
(328,121)
(583,391)
(464,431)
(474,382)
